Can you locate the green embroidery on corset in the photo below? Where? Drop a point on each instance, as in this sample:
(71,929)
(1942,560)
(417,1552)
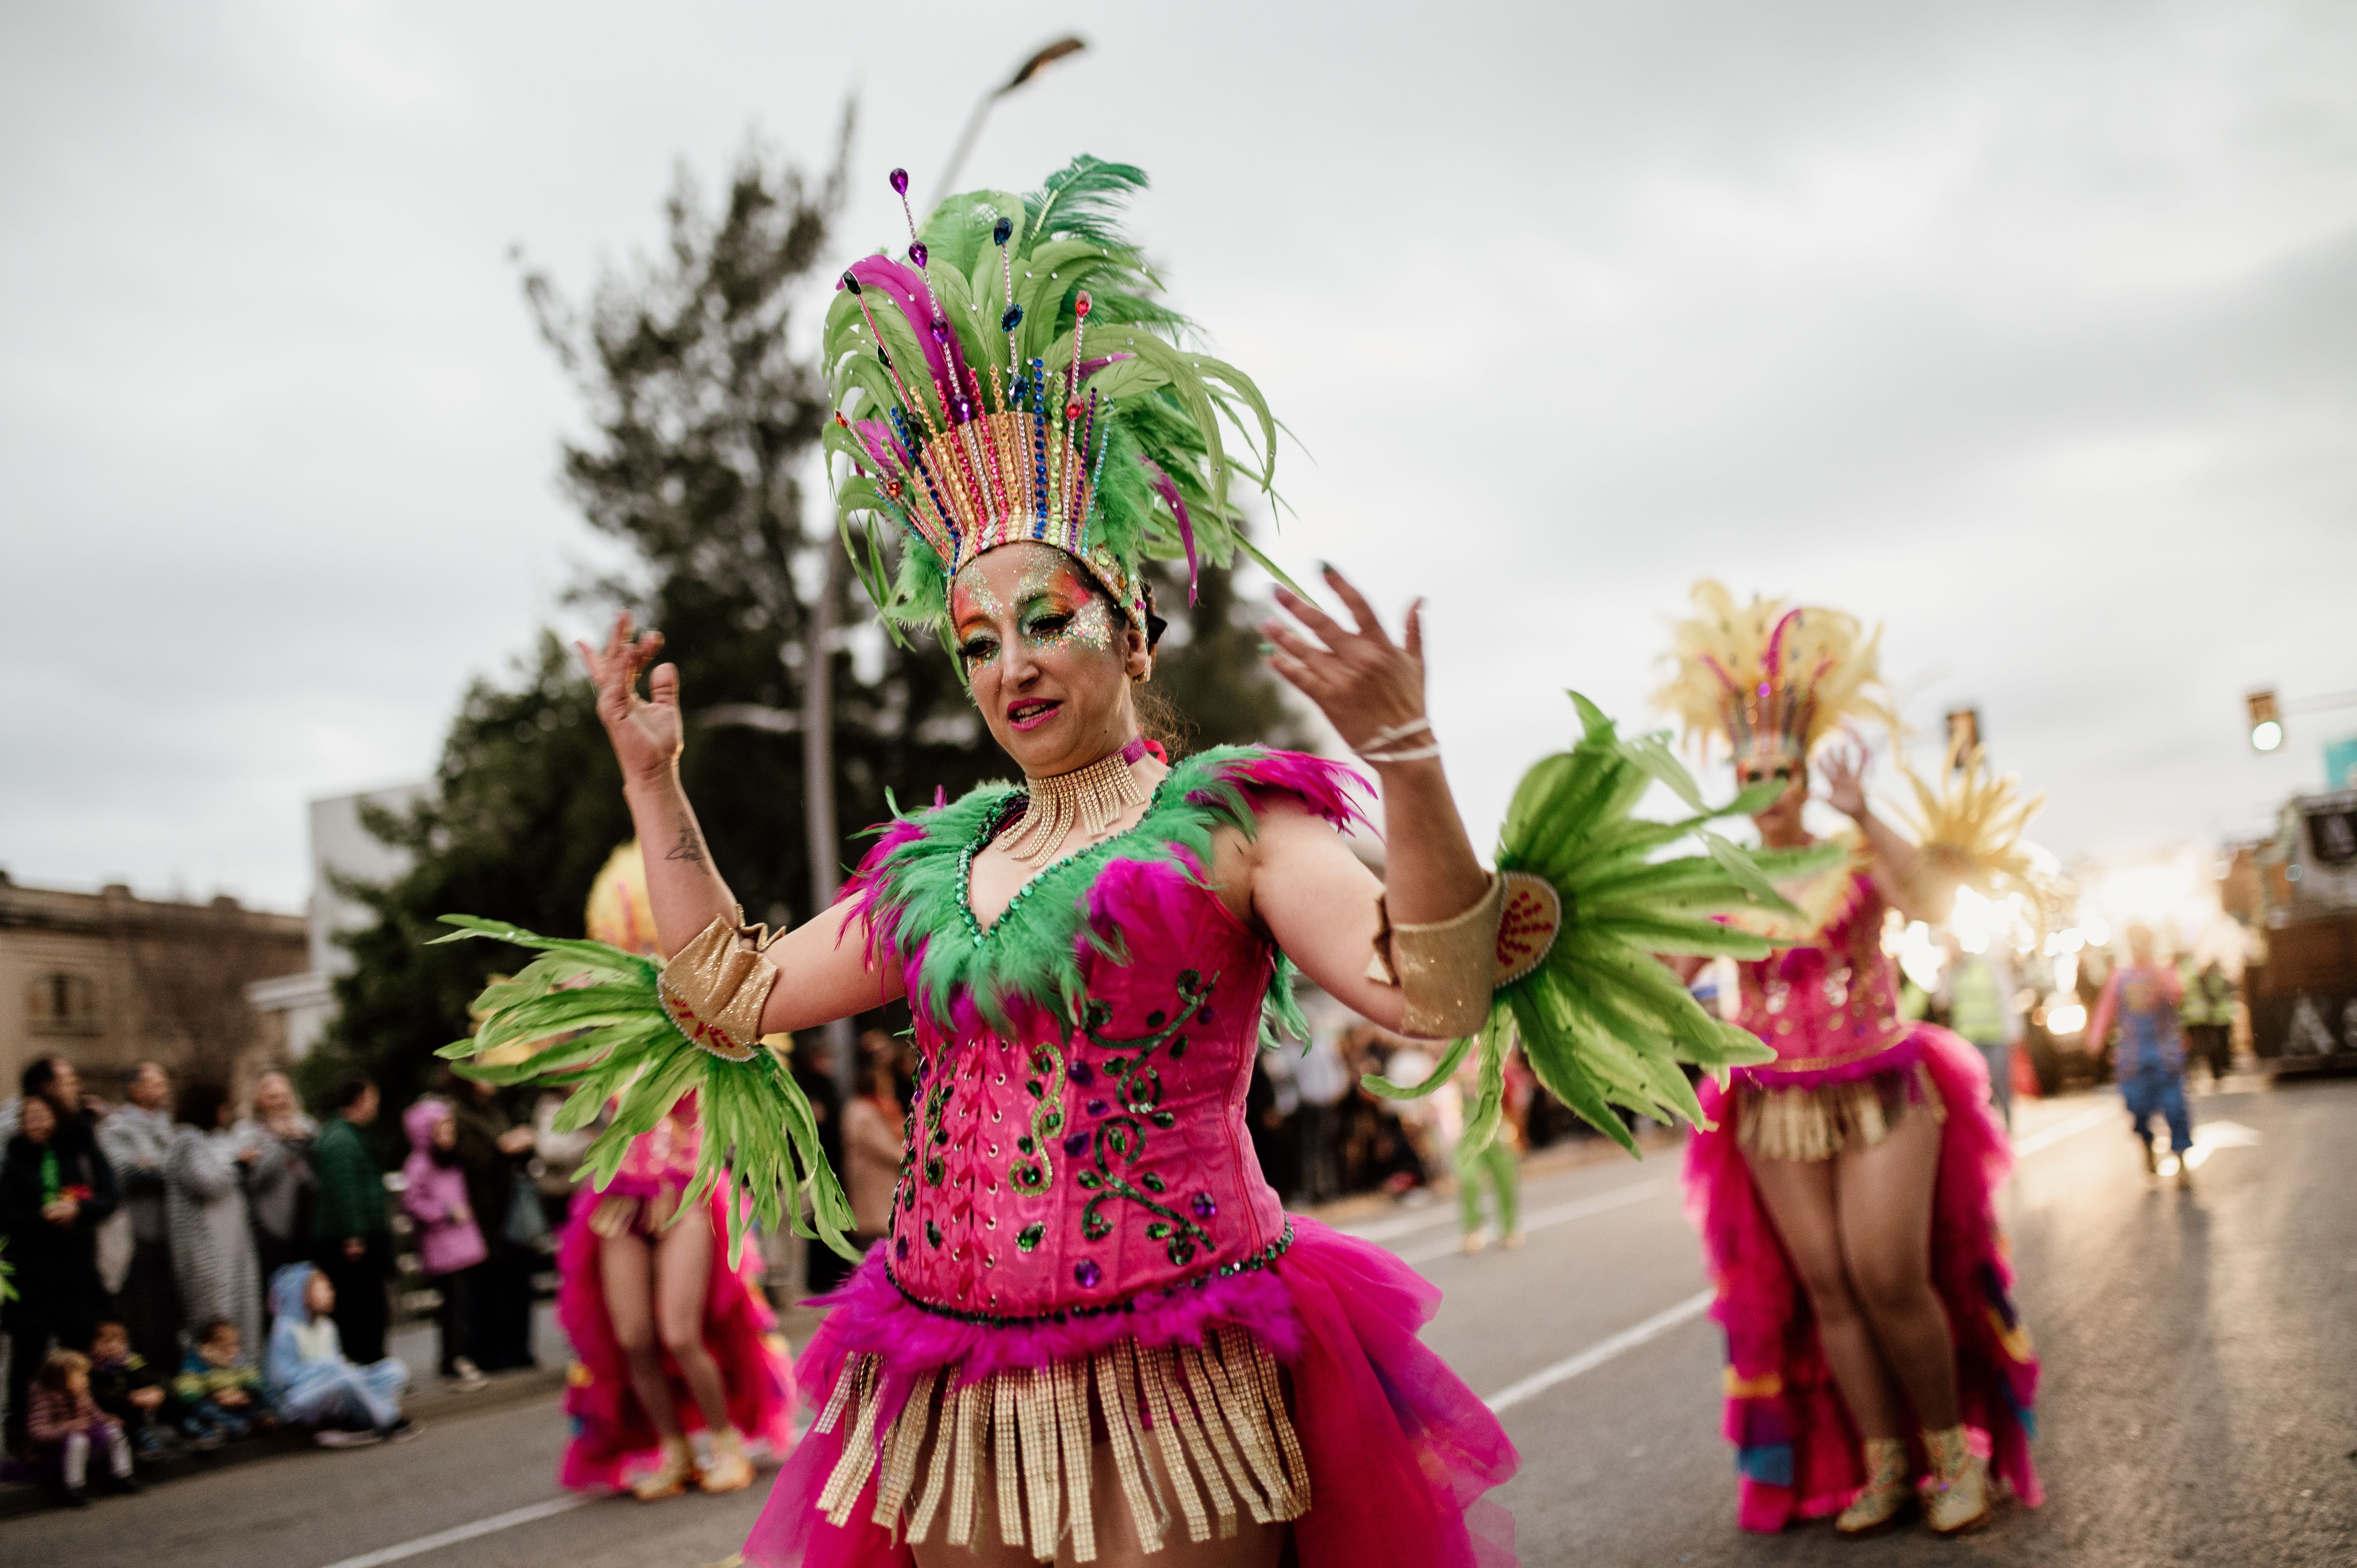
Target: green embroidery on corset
(1123,1138)
(1038,1170)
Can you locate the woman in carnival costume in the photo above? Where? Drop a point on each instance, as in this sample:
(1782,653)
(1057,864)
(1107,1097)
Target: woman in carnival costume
(1845,1192)
(669,1332)
(1092,1335)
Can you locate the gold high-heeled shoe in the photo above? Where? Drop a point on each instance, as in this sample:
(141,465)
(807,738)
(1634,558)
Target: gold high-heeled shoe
(730,1470)
(1885,1495)
(673,1475)
(1956,1493)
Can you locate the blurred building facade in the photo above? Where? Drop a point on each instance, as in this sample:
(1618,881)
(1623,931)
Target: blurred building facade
(106,979)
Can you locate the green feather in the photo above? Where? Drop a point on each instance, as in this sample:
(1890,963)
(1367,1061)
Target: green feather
(1601,1021)
(611,1040)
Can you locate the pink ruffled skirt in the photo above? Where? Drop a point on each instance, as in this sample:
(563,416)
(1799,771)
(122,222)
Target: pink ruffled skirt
(612,1438)
(1398,1450)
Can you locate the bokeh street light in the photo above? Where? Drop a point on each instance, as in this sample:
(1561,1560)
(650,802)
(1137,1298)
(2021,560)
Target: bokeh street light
(2267,721)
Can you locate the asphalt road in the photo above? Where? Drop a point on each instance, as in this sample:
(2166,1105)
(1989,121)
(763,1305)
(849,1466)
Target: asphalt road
(2200,1354)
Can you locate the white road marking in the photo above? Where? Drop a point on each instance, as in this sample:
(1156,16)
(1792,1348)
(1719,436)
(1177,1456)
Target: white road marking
(2211,1137)
(457,1533)
(2048,1137)
(1603,1350)
(1561,1213)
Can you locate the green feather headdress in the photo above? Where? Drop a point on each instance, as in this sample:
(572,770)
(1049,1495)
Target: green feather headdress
(1017,380)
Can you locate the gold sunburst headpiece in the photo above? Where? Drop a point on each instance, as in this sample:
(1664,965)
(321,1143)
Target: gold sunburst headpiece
(1969,827)
(1773,678)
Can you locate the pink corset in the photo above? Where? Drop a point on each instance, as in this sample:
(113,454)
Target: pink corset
(1077,1139)
(1054,1175)
(1830,1007)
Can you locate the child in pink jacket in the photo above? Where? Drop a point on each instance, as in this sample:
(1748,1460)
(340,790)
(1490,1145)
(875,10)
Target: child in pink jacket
(450,1245)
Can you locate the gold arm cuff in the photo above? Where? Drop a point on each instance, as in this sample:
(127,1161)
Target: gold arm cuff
(1447,970)
(713,988)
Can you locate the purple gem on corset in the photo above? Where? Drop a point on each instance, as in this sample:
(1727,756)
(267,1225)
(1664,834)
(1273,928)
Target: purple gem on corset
(1077,1144)
(1087,1274)
(1081,1073)
(1097,1108)
(1204,1206)
(901,1247)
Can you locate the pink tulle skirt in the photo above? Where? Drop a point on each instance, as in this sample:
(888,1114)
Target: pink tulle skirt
(612,1438)
(1797,1451)
(1399,1450)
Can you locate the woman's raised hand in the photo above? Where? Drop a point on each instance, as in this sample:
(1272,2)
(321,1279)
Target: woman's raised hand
(1845,770)
(1368,686)
(646,732)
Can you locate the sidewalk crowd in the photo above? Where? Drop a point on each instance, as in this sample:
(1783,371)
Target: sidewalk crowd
(184,1271)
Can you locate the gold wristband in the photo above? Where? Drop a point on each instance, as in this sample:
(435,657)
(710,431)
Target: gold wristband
(1447,969)
(713,988)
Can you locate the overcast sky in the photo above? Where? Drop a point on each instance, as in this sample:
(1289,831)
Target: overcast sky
(2027,329)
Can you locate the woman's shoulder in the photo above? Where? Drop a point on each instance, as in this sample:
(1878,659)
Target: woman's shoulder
(1237,783)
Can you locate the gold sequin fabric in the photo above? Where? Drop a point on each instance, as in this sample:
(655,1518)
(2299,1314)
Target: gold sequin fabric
(1447,970)
(1818,1123)
(1222,1446)
(714,990)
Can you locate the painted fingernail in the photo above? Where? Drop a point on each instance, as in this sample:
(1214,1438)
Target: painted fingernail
(1326,567)
(1267,648)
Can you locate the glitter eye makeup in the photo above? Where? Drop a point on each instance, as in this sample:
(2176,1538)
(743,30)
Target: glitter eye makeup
(1055,607)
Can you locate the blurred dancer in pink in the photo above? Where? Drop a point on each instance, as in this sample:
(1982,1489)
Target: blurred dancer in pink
(1845,1193)
(667,1338)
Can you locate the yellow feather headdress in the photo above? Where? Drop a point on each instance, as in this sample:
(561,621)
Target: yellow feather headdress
(1773,678)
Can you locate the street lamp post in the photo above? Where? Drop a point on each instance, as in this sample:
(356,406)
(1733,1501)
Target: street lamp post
(816,720)
(1041,58)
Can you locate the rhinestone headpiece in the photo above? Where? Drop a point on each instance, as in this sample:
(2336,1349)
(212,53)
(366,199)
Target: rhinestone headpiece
(971,414)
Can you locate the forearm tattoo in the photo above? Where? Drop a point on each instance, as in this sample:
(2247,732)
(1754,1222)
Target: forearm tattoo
(690,846)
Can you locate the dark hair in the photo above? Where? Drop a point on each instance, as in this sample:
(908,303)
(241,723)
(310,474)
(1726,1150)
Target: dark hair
(38,1075)
(200,1105)
(131,1074)
(205,1331)
(349,1091)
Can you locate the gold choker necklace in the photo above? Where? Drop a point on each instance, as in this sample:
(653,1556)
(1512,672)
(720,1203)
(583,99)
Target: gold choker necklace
(1092,797)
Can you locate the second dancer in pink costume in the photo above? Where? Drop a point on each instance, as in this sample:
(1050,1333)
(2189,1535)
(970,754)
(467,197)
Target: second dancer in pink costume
(668,1336)
(1845,1193)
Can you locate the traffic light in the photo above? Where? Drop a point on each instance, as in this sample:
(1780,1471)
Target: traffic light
(1964,734)
(2267,721)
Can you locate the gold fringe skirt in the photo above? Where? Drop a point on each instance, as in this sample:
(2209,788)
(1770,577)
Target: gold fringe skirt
(1816,1124)
(1224,1445)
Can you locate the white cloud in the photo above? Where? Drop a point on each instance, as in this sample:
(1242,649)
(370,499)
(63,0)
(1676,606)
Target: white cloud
(2025,328)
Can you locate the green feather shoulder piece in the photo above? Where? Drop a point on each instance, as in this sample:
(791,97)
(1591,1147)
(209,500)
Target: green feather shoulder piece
(1603,1023)
(587,1018)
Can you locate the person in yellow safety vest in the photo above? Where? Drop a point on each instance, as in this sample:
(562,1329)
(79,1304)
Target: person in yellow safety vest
(1977,989)
(2207,1015)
